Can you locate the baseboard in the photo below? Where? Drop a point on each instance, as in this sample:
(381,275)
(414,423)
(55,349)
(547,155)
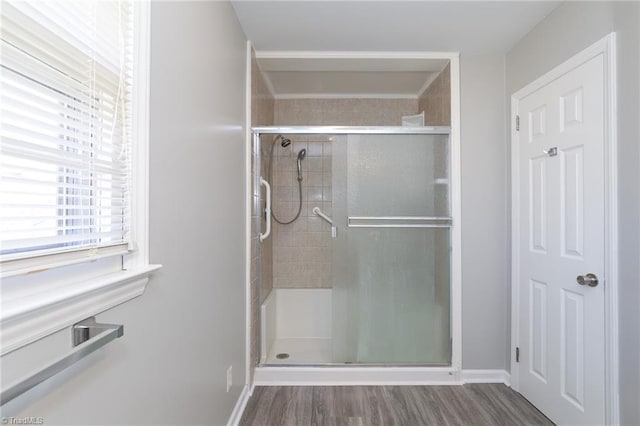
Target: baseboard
(374,376)
(236,414)
(486,376)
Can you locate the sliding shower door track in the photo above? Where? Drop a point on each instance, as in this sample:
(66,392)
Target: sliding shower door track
(355,375)
(354,364)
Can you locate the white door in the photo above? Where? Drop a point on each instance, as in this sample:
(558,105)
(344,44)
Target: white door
(562,237)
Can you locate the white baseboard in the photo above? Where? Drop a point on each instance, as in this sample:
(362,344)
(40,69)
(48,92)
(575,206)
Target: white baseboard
(236,414)
(373,376)
(486,376)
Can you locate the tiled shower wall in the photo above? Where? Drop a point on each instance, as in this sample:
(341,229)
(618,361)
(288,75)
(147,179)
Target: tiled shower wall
(436,100)
(261,253)
(343,112)
(302,254)
(302,250)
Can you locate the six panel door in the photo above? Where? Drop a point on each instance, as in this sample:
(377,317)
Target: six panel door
(561,186)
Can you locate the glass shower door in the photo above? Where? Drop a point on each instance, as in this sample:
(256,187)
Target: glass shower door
(391,255)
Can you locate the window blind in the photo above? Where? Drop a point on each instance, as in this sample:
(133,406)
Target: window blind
(65,166)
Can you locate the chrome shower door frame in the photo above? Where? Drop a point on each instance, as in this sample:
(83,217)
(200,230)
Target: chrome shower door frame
(453,372)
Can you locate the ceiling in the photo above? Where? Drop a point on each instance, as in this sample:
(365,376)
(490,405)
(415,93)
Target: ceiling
(468,27)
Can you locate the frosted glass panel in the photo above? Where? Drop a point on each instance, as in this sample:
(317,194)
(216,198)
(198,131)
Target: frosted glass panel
(391,273)
(397,175)
(404,306)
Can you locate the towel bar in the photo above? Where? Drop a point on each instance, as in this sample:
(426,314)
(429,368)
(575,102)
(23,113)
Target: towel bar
(398,222)
(88,336)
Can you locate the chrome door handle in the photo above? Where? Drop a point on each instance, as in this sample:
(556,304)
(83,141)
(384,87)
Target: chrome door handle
(589,279)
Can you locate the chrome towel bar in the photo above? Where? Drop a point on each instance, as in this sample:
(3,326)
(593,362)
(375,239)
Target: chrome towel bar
(88,336)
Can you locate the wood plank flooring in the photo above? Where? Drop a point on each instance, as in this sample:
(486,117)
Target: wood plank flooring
(472,404)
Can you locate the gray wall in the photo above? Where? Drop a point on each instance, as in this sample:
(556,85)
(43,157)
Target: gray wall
(189,326)
(570,28)
(484,229)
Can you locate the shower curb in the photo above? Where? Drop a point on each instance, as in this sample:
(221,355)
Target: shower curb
(363,375)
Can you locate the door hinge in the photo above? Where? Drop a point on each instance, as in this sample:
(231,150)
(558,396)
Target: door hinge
(517,354)
(517,123)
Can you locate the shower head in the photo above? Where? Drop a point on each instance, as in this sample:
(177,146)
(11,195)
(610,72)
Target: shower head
(285,142)
(301,155)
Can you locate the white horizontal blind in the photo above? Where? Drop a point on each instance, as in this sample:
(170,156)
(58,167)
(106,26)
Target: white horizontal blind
(66,72)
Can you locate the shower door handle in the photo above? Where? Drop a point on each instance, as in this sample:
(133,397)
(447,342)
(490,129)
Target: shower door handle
(267,209)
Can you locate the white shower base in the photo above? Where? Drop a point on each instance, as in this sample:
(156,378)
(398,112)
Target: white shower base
(301,351)
(297,322)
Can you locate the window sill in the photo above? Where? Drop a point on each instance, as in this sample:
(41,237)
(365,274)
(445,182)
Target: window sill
(24,320)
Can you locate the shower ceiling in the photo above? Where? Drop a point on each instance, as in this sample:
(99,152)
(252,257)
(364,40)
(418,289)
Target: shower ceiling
(299,75)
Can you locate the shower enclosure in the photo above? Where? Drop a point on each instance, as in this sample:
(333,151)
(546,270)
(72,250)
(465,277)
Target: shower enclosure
(387,226)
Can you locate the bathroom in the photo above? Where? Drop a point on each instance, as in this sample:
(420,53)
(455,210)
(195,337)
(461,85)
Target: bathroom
(195,343)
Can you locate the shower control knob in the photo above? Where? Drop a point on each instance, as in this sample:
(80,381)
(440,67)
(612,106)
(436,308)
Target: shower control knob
(589,279)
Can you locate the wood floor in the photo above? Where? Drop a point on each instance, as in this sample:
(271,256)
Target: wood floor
(472,404)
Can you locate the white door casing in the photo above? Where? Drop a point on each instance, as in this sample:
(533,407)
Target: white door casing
(562,227)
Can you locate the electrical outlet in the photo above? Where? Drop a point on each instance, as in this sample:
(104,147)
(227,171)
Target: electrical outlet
(229,377)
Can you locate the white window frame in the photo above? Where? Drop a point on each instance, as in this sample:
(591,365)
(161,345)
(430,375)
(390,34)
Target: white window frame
(49,297)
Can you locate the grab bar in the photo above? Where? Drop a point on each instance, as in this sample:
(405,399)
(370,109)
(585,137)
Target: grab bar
(318,212)
(88,336)
(334,231)
(267,210)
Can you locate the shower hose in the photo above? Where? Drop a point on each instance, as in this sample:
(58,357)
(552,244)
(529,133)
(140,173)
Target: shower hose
(273,214)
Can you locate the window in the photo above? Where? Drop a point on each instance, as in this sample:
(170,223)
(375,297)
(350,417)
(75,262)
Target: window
(74,79)
(66,130)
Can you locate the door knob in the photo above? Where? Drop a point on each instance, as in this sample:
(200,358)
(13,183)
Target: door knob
(589,279)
